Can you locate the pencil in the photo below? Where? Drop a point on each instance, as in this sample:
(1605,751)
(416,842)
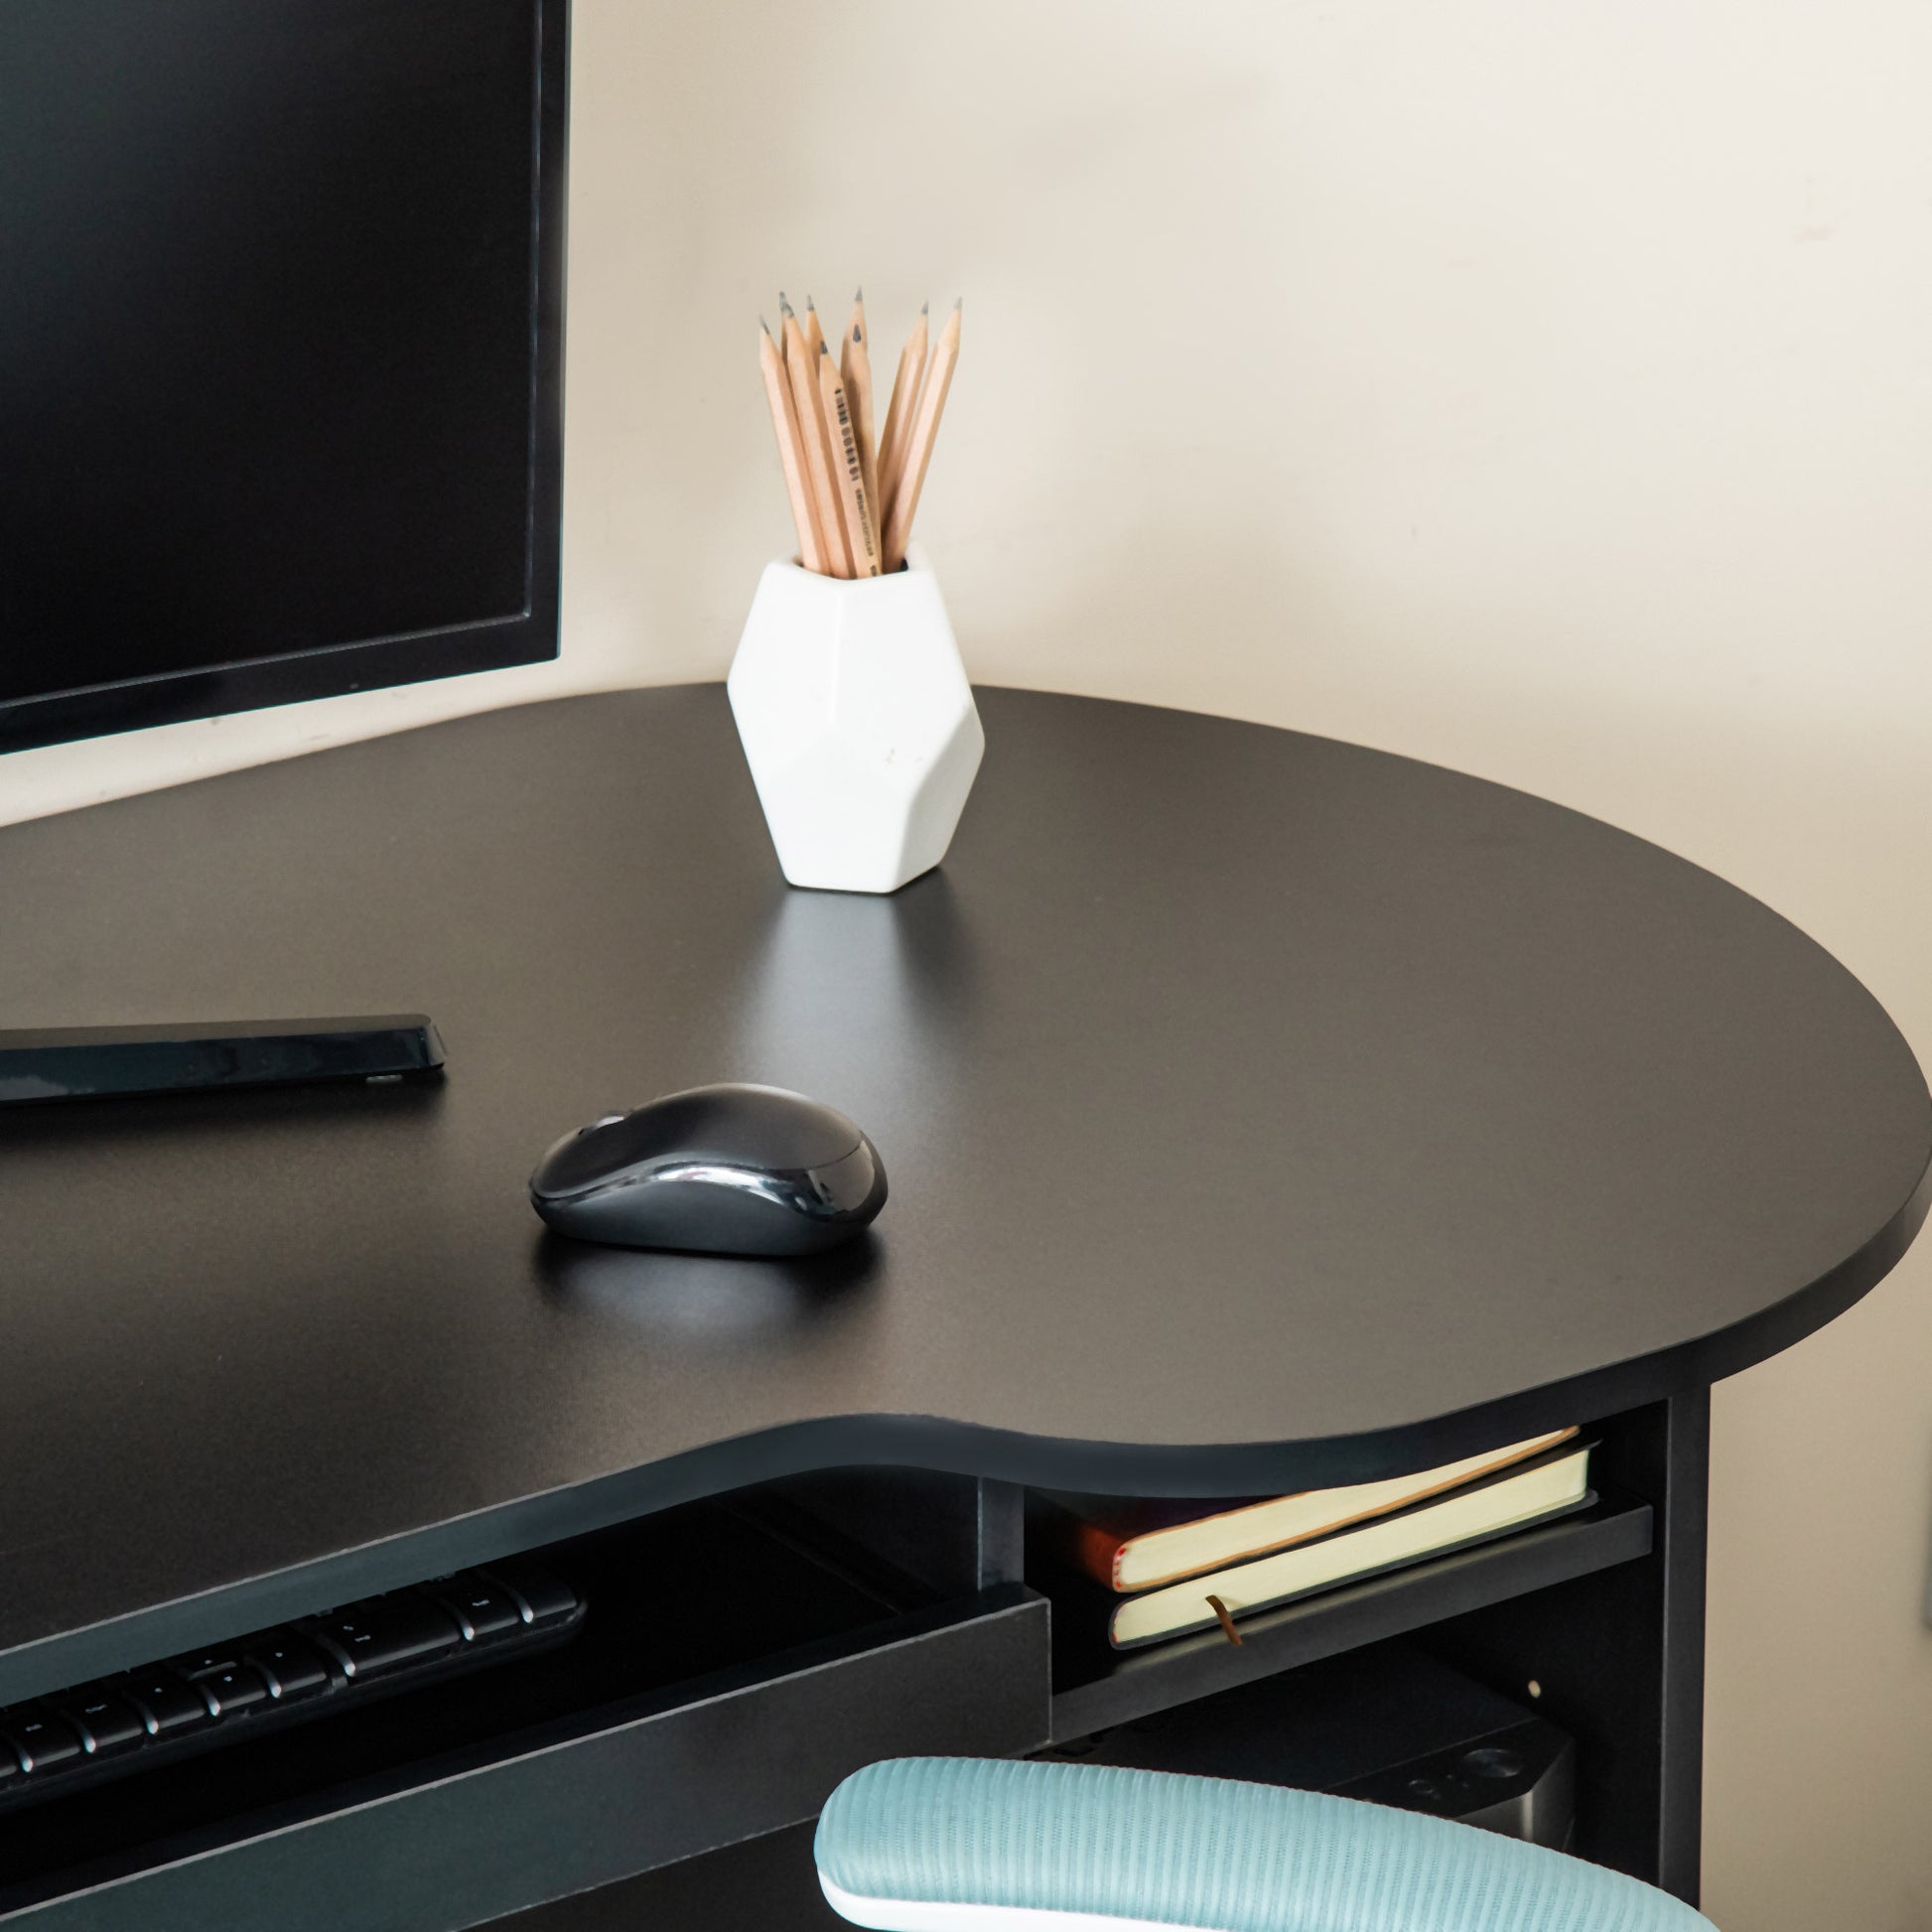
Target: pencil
(814,335)
(898,413)
(860,530)
(791,454)
(855,370)
(918,441)
(818,457)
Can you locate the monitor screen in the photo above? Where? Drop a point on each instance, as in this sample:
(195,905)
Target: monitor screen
(279,351)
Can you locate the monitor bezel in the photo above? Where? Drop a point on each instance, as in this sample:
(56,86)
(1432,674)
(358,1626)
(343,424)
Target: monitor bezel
(373,664)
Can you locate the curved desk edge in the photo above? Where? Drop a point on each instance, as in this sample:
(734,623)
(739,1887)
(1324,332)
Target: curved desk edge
(929,1442)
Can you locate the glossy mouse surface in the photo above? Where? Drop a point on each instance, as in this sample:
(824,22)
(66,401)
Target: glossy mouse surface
(724,1170)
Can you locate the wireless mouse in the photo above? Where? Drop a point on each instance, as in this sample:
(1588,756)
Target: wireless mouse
(722,1169)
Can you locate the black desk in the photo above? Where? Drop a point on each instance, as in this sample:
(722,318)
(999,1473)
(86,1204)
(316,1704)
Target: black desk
(1258,1111)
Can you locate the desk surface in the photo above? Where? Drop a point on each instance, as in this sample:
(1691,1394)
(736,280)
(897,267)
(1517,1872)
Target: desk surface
(1258,1111)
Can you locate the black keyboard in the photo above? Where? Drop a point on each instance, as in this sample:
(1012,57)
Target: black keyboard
(312,1668)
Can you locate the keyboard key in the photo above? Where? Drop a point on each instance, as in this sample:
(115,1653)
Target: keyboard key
(484,1608)
(385,1632)
(106,1722)
(169,1702)
(204,1663)
(293,1668)
(45,1741)
(547,1599)
(235,1689)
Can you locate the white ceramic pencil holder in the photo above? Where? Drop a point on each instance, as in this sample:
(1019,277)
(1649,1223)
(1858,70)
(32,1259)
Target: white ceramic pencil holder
(858,724)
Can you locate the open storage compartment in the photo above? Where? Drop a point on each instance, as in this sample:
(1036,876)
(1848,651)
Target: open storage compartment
(1579,1620)
(1096,1687)
(736,1661)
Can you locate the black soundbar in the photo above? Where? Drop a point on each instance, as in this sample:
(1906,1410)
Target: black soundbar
(97,1062)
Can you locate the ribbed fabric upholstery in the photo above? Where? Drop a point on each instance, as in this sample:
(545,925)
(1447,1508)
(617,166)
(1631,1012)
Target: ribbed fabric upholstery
(1203,1851)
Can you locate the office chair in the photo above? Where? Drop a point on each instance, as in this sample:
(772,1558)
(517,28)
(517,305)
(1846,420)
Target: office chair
(965,1845)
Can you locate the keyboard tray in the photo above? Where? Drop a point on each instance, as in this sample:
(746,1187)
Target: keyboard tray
(727,1673)
(317,1667)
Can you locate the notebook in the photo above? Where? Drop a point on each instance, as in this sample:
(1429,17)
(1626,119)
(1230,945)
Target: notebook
(1551,1485)
(1126,1545)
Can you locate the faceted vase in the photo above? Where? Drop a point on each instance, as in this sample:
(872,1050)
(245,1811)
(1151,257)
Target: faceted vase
(858,724)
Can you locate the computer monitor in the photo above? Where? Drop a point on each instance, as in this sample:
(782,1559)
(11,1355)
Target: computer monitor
(281,341)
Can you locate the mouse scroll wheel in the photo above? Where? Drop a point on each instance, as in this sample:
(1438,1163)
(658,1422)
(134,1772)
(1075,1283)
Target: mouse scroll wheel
(608,1119)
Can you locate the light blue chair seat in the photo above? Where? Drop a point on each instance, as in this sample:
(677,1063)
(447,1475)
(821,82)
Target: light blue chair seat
(968,1844)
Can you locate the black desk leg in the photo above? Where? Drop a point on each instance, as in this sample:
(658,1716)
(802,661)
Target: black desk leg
(1617,1658)
(1680,1819)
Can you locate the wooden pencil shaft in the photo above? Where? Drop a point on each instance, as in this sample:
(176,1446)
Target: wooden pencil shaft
(818,455)
(920,439)
(791,453)
(814,339)
(898,414)
(855,370)
(893,457)
(852,563)
(860,530)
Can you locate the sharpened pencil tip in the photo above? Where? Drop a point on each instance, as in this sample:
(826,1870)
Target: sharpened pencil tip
(810,307)
(784,306)
(923,306)
(959,302)
(825,349)
(765,325)
(859,294)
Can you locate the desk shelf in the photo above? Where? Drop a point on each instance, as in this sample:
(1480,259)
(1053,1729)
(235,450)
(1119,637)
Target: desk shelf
(1095,1688)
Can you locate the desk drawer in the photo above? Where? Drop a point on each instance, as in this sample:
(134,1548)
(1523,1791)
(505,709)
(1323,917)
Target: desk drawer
(740,1753)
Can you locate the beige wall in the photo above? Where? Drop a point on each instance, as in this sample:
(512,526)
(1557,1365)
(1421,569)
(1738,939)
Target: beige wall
(1545,390)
